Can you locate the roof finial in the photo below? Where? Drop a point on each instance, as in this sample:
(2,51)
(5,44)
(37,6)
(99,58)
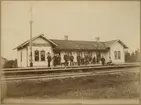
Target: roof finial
(97,38)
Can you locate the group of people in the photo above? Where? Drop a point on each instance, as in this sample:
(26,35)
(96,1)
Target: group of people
(109,62)
(56,59)
(87,59)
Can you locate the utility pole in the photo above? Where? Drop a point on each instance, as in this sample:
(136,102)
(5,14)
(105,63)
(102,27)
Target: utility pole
(31,22)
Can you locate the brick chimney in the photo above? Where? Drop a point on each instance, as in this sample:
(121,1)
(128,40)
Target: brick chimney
(97,39)
(66,37)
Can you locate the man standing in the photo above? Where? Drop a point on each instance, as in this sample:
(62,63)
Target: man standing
(48,59)
(66,58)
(59,59)
(55,60)
(82,61)
(71,59)
(86,59)
(103,60)
(90,59)
(78,59)
(94,60)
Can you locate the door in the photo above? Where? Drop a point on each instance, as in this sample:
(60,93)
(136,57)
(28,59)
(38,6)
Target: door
(98,56)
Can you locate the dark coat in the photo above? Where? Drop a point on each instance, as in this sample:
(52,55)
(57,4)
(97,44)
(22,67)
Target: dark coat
(66,57)
(94,59)
(49,58)
(102,59)
(71,58)
(55,60)
(78,58)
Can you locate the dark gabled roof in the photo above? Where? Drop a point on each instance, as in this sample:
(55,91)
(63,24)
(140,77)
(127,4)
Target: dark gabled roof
(75,44)
(80,45)
(109,43)
(122,44)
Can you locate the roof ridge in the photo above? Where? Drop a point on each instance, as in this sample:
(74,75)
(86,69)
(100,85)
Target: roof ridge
(112,40)
(29,40)
(75,40)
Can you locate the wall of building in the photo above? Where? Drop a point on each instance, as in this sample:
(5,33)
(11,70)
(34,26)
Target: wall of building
(41,44)
(40,63)
(105,55)
(38,44)
(22,57)
(117,47)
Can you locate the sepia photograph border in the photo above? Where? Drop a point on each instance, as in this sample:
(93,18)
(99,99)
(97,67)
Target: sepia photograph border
(97,101)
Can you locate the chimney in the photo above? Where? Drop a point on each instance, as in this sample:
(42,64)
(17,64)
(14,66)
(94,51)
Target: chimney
(97,39)
(66,37)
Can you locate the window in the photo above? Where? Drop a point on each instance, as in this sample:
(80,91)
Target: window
(36,55)
(21,56)
(118,54)
(42,55)
(115,53)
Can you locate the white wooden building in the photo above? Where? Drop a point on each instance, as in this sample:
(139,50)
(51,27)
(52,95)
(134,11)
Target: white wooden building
(42,45)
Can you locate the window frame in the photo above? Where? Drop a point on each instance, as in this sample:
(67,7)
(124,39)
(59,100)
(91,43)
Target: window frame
(36,55)
(115,55)
(119,55)
(41,56)
(21,56)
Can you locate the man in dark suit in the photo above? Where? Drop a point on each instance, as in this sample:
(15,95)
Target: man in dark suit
(78,59)
(48,59)
(66,58)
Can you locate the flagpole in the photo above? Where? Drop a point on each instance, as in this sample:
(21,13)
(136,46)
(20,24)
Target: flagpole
(31,22)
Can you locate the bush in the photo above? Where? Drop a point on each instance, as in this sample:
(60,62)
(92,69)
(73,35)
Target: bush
(10,64)
(132,57)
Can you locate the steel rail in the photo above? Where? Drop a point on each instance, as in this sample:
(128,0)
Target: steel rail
(61,67)
(70,75)
(68,69)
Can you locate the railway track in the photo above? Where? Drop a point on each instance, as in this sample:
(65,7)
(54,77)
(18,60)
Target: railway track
(60,67)
(68,75)
(26,71)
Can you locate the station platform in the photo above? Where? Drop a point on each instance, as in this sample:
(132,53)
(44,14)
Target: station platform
(71,101)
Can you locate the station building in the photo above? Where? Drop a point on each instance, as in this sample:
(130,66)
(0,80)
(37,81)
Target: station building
(42,45)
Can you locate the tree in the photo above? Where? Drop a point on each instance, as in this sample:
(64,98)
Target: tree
(133,59)
(127,57)
(137,55)
(11,64)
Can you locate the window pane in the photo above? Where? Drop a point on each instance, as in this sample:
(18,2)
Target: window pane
(42,55)
(118,54)
(36,55)
(115,53)
(21,56)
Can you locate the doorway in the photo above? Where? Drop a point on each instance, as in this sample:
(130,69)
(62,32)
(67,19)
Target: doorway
(98,56)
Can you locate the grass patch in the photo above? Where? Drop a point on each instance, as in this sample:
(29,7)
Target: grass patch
(123,85)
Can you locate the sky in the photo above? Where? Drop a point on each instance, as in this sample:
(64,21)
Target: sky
(80,20)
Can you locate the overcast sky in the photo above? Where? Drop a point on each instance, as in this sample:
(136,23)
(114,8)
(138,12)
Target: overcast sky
(80,20)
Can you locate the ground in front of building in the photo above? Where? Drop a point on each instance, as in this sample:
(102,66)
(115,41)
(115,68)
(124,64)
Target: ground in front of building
(109,86)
